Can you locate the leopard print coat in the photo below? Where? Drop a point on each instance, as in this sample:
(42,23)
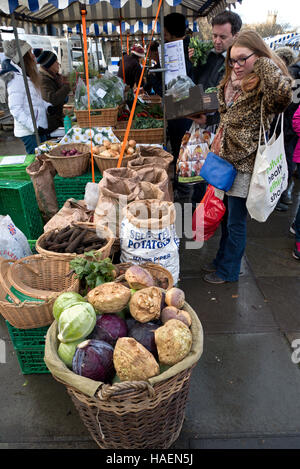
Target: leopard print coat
(241,121)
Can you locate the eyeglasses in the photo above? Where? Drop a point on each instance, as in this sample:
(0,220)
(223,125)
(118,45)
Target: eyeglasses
(241,62)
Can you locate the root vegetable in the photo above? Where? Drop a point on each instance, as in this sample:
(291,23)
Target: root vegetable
(132,143)
(132,361)
(130,151)
(109,297)
(106,143)
(115,147)
(173,341)
(138,278)
(170,312)
(145,304)
(175,297)
(105,154)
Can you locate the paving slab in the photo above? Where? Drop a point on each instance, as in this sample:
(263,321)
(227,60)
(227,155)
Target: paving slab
(283,296)
(245,385)
(229,308)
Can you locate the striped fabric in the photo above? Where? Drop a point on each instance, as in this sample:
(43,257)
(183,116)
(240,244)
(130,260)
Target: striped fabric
(59,12)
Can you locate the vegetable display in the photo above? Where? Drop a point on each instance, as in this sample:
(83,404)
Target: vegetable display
(112,150)
(97,343)
(201,50)
(73,239)
(93,271)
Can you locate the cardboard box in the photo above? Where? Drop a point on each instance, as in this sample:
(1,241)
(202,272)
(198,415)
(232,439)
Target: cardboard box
(198,102)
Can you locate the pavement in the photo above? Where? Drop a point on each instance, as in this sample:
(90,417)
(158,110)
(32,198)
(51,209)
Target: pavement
(244,392)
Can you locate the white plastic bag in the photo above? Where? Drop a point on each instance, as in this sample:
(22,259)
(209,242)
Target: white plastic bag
(150,239)
(270,176)
(91,195)
(13,243)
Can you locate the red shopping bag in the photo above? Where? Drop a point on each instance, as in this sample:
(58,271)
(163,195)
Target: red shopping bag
(207,216)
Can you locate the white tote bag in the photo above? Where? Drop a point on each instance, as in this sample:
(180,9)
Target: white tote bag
(270,175)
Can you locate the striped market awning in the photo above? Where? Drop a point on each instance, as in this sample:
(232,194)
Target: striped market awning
(101,12)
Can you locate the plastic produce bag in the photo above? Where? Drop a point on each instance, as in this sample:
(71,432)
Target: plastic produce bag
(13,243)
(105,92)
(179,88)
(193,151)
(208,215)
(91,195)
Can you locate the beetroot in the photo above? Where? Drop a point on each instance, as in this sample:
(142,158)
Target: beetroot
(109,327)
(144,334)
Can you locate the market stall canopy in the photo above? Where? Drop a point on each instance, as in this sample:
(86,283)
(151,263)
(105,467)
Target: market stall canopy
(110,29)
(59,12)
(282,39)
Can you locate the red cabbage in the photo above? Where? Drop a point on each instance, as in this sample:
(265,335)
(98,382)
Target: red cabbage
(94,359)
(144,334)
(109,327)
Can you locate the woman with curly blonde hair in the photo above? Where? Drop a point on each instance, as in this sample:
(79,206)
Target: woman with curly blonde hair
(256,82)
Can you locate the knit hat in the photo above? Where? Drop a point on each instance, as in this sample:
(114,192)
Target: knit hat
(286,54)
(11,52)
(138,50)
(46,59)
(37,52)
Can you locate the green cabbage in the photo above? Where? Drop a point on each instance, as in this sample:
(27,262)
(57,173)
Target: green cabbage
(66,352)
(64,301)
(76,322)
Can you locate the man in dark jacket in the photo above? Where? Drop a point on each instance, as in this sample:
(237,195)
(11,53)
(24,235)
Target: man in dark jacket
(225,27)
(132,66)
(53,89)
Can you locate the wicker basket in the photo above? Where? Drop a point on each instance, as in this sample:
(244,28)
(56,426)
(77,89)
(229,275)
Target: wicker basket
(162,277)
(142,135)
(131,414)
(70,166)
(107,163)
(40,277)
(135,415)
(33,314)
(104,117)
(103,252)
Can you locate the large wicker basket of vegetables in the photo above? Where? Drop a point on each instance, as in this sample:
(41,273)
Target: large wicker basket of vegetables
(71,159)
(29,287)
(126,358)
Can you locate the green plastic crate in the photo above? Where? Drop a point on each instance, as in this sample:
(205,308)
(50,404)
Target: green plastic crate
(17,199)
(27,339)
(67,188)
(32,361)
(30,347)
(32,243)
(16,171)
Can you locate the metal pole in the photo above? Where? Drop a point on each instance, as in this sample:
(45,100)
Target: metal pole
(97,53)
(25,81)
(82,49)
(162,41)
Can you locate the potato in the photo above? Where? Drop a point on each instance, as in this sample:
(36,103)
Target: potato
(102,148)
(115,147)
(114,154)
(105,154)
(106,143)
(130,151)
(109,297)
(132,143)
